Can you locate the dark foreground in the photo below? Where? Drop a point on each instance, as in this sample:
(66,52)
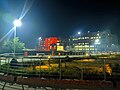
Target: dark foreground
(59,84)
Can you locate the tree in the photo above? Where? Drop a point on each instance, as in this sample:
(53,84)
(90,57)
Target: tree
(8,45)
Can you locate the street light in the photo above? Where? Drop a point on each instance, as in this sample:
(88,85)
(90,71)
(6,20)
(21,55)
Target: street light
(79,33)
(39,38)
(17,23)
(39,41)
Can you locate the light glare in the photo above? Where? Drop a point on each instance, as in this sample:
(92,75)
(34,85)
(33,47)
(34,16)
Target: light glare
(17,23)
(39,38)
(97,40)
(79,32)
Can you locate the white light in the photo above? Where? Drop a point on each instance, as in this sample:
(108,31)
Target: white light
(39,38)
(97,41)
(79,32)
(17,23)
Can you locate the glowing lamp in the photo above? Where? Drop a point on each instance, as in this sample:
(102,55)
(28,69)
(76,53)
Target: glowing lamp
(17,23)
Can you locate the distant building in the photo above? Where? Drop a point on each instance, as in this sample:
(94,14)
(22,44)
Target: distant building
(103,41)
(50,44)
(109,42)
(92,42)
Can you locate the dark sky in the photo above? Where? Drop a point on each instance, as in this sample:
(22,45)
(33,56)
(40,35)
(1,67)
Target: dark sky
(59,18)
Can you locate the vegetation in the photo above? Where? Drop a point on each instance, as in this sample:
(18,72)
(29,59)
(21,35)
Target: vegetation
(8,46)
(90,68)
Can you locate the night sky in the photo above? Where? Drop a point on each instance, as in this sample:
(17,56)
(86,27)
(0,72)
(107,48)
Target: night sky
(59,18)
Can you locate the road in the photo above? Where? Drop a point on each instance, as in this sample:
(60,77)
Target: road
(19,87)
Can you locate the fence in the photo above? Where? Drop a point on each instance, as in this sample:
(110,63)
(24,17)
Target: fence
(81,69)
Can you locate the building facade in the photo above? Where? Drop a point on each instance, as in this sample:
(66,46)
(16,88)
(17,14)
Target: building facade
(93,42)
(50,44)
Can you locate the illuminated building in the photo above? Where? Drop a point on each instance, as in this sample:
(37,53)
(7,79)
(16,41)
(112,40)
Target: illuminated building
(83,43)
(50,44)
(92,42)
(96,42)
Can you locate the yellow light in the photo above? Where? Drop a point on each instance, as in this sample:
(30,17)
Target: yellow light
(49,57)
(60,48)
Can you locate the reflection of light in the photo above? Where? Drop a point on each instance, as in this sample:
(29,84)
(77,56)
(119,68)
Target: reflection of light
(17,23)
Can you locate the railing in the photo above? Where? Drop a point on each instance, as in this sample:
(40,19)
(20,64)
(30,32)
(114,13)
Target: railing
(59,71)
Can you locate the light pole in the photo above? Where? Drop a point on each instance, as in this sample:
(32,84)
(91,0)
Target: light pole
(39,43)
(17,23)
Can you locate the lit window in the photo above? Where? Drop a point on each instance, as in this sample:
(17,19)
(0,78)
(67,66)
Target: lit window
(86,43)
(86,46)
(91,37)
(91,48)
(91,45)
(86,37)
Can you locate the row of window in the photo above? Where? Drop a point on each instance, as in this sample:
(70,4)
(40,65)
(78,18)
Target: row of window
(84,48)
(85,38)
(81,44)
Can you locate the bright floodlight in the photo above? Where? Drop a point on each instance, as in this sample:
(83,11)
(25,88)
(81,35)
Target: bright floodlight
(97,41)
(79,32)
(39,38)
(17,23)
